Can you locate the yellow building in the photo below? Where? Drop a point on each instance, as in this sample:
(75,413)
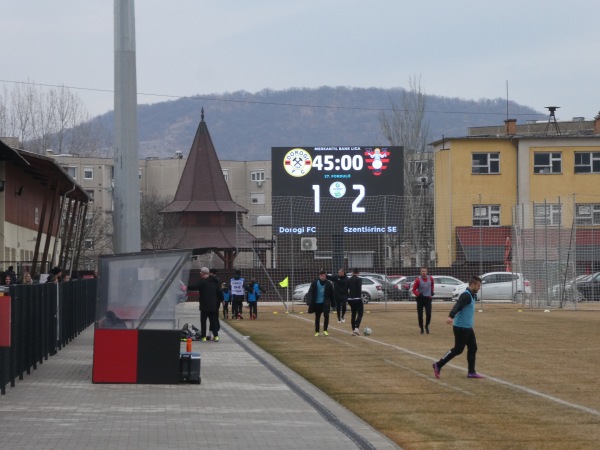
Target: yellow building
(488,186)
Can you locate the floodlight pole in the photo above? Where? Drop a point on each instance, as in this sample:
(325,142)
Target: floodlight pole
(126,191)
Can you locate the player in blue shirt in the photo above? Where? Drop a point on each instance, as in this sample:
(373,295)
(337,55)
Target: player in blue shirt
(226,299)
(462,318)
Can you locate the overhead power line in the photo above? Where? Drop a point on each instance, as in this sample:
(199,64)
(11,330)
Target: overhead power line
(261,102)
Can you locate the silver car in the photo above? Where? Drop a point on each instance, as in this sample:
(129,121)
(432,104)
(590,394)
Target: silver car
(371,290)
(444,286)
(301,293)
(499,286)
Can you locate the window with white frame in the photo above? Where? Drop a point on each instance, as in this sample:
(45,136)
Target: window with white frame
(226,174)
(71,170)
(547,214)
(486,215)
(485,163)
(88,244)
(90,194)
(587,162)
(545,163)
(89,219)
(257,198)
(139,174)
(257,175)
(88,173)
(587,214)
(36,216)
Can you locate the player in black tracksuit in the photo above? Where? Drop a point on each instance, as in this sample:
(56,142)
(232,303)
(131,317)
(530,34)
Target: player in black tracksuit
(340,293)
(210,296)
(355,301)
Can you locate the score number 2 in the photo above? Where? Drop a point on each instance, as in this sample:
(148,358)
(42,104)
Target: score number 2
(356,208)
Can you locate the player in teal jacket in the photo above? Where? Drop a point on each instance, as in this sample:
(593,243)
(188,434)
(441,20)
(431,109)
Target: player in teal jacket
(462,317)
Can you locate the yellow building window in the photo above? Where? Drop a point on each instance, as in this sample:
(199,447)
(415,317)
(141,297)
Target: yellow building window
(486,215)
(587,214)
(547,214)
(485,163)
(587,162)
(546,163)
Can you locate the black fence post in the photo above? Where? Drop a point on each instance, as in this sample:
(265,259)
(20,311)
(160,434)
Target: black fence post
(44,318)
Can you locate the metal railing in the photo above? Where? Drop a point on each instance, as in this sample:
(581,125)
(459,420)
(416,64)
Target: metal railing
(44,318)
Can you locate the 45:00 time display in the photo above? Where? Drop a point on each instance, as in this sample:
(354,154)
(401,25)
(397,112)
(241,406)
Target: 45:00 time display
(331,162)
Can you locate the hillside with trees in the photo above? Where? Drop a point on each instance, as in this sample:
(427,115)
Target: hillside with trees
(245,126)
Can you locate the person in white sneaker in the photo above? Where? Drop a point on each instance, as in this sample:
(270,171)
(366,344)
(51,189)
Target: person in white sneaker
(355,301)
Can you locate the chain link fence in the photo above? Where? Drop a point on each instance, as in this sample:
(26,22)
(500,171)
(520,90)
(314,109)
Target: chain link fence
(546,253)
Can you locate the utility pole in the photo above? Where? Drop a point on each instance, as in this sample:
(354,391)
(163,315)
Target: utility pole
(126,191)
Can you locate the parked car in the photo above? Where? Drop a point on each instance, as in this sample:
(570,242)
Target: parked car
(378,276)
(390,289)
(566,286)
(589,287)
(405,286)
(394,278)
(444,286)
(371,290)
(499,286)
(301,293)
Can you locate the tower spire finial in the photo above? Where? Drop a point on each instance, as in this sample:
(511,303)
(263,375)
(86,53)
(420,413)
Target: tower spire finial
(202,114)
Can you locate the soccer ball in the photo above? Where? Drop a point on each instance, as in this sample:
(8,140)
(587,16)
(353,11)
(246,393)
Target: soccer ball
(367,331)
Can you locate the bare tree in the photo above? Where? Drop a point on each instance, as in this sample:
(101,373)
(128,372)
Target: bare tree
(156,228)
(49,119)
(96,236)
(405,125)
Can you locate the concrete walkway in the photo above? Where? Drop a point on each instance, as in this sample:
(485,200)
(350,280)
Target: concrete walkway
(247,400)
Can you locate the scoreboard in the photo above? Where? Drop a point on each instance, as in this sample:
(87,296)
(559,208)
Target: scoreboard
(337,189)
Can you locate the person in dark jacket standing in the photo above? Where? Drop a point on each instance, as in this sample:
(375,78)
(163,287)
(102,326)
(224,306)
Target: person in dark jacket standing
(340,293)
(462,317)
(320,294)
(355,301)
(208,290)
(423,290)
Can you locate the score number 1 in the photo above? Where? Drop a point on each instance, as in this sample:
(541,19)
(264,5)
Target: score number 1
(356,208)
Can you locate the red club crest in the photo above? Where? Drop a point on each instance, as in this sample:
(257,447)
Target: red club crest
(377,159)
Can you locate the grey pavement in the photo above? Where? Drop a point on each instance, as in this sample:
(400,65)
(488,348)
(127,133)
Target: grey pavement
(247,400)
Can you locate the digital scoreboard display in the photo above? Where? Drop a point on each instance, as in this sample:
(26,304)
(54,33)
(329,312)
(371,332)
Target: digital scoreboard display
(337,189)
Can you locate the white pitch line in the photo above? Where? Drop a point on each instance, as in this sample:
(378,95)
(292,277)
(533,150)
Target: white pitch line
(517,387)
(425,377)
(343,342)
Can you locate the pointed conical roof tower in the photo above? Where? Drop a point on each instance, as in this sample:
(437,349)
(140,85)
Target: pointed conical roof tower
(207,214)
(202,187)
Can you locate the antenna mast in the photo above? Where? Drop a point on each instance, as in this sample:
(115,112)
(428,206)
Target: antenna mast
(552,119)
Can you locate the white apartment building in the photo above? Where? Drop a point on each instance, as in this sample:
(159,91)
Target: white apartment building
(249,183)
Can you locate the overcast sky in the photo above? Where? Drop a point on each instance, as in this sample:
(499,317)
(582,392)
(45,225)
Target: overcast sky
(546,50)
